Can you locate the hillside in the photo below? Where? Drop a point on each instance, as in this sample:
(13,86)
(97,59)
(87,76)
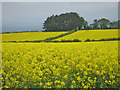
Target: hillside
(91,34)
(81,35)
(29,36)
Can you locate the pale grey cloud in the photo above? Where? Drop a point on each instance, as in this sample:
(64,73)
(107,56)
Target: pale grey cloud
(0,17)
(32,14)
(60,0)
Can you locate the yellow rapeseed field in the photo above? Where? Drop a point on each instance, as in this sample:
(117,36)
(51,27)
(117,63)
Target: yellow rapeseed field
(29,36)
(91,34)
(60,65)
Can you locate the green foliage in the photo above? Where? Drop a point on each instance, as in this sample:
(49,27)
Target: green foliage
(72,21)
(114,24)
(64,22)
(104,24)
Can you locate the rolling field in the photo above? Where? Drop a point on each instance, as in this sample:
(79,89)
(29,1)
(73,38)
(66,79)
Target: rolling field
(58,65)
(81,35)
(91,34)
(29,36)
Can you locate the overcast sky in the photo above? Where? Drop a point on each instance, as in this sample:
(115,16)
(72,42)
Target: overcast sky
(20,16)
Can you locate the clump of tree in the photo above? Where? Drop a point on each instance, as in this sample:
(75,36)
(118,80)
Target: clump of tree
(104,24)
(114,25)
(65,22)
(72,21)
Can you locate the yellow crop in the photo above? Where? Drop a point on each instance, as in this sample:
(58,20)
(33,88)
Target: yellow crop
(91,34)
(60,65)
(29,36)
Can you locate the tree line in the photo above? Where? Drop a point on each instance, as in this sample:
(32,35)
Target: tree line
(104,24)
(72,21)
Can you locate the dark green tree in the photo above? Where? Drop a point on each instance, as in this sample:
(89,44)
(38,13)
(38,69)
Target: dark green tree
(64,22)
(92,26)
(95,24)
(119,24)
(85,24)
(103,23)
(114,25)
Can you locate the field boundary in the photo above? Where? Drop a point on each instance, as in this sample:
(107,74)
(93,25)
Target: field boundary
(61,35)
(75,40)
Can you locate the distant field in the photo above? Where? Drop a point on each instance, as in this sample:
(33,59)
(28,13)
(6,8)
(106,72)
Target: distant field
(30,36)
(91,34)
(81,35)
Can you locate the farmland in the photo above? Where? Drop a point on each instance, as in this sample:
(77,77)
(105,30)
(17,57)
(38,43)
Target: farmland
(91,34)
(60,65)
(29,36)
(59,45)
(80,35)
